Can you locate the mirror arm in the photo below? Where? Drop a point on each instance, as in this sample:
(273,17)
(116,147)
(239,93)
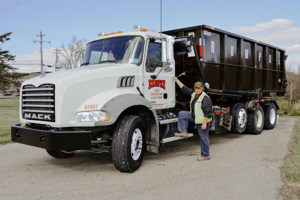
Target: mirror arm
(162,68)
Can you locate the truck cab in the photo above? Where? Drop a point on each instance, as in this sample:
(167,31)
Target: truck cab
(123,76)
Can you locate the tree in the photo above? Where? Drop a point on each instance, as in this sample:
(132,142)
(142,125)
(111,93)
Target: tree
(293,83)
(8,76)
(72,53)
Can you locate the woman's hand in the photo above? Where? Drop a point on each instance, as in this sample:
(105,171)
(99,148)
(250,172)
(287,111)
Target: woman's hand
(203,127)
(178,81)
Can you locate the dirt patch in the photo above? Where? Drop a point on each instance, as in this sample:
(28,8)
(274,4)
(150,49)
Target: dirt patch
(290,191)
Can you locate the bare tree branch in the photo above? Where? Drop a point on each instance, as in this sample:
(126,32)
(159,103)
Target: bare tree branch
(72,53)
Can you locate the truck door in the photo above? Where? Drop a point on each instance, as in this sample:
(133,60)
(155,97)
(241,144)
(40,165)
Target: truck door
(159,87)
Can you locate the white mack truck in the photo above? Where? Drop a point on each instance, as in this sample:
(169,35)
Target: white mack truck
(123,98)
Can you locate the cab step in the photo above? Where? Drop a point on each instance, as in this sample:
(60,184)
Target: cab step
(168,121)
(174,138)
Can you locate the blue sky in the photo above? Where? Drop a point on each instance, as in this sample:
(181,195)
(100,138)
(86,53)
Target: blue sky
(60,20)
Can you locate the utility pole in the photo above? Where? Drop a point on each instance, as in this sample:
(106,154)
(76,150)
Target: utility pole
(41,47)
(56,51)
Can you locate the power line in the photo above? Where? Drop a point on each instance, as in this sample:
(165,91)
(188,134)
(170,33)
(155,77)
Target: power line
(41,46)
(26,64)
(56,51)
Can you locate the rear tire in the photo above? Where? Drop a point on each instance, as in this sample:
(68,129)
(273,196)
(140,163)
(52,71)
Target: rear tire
(239,118)
(60,154)
(270,116)
(128,144)
(256,121)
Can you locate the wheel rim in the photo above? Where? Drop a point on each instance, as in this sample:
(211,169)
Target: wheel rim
(259,118)
(242,118)
(136,144)
(272,116)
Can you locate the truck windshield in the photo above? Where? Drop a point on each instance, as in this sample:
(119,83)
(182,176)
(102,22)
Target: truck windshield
(126,49)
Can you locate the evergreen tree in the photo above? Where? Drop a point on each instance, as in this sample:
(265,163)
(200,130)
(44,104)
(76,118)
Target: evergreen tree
(8,76)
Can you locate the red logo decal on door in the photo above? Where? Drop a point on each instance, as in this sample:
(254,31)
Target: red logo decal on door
(157,83)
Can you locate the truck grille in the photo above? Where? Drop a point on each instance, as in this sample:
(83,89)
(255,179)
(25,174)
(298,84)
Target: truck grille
(38,103)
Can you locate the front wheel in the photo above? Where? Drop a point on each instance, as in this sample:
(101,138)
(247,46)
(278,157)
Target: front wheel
(128,144)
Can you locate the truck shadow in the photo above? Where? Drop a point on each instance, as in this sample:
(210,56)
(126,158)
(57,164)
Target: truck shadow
(192,145)
(96,162)
(85,161)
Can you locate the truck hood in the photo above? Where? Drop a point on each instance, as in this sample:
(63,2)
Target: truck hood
(83,89)
(64,76)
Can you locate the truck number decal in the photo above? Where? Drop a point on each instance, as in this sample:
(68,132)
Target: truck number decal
(90,106)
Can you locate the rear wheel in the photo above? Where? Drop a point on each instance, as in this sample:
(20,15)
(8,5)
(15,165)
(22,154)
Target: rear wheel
(256,121)
(128,144)
(60,153)
(239,118)
(270,116)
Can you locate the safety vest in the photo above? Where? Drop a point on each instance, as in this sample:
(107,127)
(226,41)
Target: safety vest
(199,115)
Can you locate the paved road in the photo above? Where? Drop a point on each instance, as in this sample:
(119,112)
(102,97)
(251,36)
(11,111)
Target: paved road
(242,167)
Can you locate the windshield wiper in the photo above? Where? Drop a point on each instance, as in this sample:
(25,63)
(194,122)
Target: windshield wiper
(86,63)
(113,61)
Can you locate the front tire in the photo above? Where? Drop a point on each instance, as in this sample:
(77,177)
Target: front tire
(270,116)
(128,144)
(256,121)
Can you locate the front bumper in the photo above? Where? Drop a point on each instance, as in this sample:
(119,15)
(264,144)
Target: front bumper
(50,139)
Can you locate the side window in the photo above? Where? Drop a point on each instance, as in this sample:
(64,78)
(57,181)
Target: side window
(153,57)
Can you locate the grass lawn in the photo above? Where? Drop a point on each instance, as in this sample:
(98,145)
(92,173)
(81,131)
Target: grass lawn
(9,115)
(292,164)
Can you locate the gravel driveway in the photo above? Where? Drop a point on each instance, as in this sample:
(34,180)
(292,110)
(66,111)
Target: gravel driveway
(241,167)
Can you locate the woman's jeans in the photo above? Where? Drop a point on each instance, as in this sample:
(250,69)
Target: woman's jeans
(184,117)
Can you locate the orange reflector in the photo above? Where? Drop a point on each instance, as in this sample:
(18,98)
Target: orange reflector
(120,32)
(106,34)
(257,104)
(143,30)
(226,111)
(206,26)
(106,117)
(200,51)
(112,33)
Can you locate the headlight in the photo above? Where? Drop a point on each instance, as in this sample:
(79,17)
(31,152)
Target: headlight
(91,116)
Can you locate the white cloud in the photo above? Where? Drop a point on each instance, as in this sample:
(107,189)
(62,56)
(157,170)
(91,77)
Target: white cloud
(288,36)
(261,27)
(295,49)
(31,62)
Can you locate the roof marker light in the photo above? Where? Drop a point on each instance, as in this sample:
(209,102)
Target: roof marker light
(100,34)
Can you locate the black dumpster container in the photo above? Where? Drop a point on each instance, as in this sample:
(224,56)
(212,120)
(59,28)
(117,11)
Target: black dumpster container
(230,63)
